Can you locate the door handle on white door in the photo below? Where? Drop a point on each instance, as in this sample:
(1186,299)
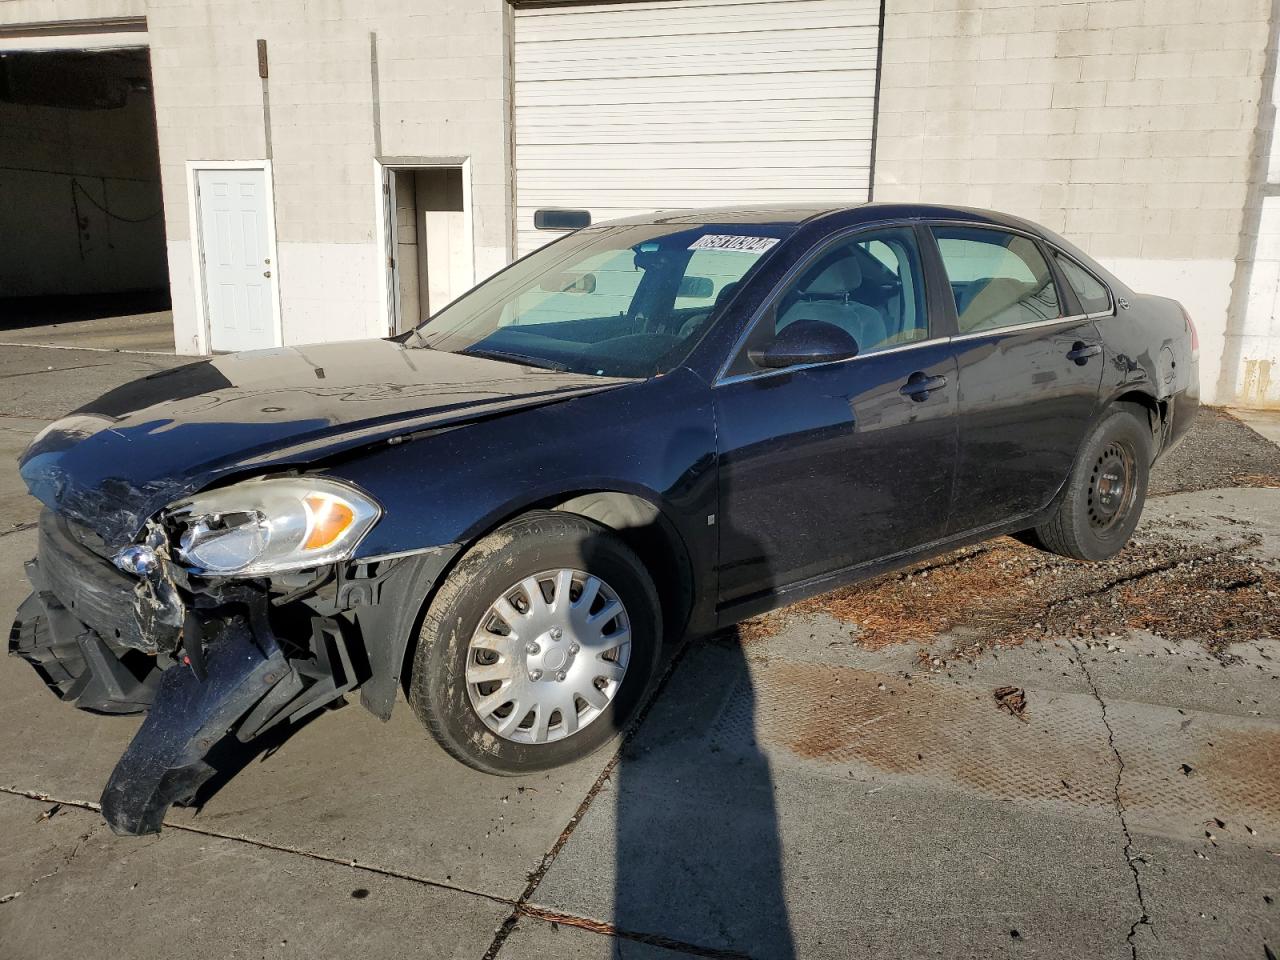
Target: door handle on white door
(266,273)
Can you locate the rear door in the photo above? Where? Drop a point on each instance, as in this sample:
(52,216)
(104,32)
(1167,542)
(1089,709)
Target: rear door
(826,466)
(1030,366)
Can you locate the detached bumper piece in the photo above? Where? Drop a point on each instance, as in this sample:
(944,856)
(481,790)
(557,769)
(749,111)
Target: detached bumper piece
(228,671)
(164,763)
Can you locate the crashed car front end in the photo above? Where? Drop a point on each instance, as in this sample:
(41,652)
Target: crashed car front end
(232,611)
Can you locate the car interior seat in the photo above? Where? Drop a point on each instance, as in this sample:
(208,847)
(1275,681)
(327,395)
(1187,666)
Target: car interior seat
(829,298)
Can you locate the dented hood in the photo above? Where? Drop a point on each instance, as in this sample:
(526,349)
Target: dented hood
(115,462)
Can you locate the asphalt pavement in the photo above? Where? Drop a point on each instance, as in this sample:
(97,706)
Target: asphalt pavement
(995,754)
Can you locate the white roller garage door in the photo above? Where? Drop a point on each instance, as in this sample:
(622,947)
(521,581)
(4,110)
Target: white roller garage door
(623,108)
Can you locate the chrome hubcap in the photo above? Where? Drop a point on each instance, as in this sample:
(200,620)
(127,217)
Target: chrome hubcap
(548,656)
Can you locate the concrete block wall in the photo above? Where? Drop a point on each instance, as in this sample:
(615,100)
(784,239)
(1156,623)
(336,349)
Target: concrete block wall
(441,93)
(1126,125)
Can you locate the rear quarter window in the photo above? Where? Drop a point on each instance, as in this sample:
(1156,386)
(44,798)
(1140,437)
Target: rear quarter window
(1093,293)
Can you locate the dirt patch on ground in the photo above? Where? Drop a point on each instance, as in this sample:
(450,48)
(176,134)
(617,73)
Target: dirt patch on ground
(1218,451)
(1004,593)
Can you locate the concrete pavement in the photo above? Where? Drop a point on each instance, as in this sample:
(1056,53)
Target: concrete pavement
(798,789)
(128,322)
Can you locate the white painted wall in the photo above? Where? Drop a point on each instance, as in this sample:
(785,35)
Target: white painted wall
(1203,287)
(1251,371)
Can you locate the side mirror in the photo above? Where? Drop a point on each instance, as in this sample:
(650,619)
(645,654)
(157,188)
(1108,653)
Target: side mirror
(803,342)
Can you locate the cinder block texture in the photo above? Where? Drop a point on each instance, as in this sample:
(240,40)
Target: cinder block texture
(1152,103)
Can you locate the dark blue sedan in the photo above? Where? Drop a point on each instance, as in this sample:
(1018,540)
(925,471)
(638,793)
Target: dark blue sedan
(645,429)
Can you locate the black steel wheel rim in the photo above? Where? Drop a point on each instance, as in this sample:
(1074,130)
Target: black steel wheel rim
(1112,487)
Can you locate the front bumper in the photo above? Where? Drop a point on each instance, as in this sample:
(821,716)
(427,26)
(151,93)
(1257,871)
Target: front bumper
(86,631)
(243,657)
(79,628)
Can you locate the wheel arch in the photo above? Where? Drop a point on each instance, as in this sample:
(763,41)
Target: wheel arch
(641,523)
(655,537)
(1157,413)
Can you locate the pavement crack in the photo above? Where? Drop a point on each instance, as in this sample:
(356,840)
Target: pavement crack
(18,528)
(67,858)
(1132,861)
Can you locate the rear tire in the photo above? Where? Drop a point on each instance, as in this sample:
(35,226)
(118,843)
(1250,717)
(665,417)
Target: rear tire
(1098,509)
(512,682)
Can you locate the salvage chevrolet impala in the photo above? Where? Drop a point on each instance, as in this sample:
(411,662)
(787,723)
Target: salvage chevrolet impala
(646,429)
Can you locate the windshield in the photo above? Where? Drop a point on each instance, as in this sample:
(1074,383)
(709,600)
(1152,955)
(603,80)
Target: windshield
(627,301)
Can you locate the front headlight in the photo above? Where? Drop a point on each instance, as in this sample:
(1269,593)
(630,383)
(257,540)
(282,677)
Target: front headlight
(270,526)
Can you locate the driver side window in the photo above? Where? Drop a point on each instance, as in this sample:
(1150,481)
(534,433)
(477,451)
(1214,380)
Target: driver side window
(870,285)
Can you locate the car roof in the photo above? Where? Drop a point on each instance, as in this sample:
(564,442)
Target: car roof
(799,213)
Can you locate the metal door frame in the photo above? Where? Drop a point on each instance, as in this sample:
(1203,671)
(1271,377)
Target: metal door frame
(384,170)
(204,337)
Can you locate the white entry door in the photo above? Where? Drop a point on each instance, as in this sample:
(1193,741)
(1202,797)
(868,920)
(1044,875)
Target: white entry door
(239,285)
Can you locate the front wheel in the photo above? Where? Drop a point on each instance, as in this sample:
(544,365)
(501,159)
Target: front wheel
(1102,501)
(538,647)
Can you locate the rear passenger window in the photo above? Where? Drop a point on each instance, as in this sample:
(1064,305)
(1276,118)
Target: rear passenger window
(998,279)
(1093,293)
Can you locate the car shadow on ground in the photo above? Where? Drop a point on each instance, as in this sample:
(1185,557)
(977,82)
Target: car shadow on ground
(687,874)
(705,880)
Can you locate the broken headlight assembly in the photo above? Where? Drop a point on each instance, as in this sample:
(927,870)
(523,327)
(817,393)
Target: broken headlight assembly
(270,526)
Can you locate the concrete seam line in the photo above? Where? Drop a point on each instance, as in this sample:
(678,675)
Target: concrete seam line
(58,346)
(279,848)
(36,373)
(19,528)
(1144,919)
(521,906)
(526,910)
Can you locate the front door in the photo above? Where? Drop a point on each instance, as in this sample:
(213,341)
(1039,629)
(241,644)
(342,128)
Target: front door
(236,257)
(1030,368)
(828,466)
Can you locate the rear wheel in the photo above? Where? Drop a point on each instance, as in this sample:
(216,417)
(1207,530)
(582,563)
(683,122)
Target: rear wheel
(1101,504)
(538,647)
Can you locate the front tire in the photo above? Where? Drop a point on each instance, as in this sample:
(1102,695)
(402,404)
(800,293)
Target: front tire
(1101,504)
(538,647)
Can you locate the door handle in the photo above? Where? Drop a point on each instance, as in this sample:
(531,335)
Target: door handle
(1080,352)
(266,273)
(919,384)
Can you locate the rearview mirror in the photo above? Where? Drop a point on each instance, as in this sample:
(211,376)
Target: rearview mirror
(804,342)
(568,283)
(696,288)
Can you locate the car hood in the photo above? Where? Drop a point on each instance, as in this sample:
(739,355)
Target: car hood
(114,463)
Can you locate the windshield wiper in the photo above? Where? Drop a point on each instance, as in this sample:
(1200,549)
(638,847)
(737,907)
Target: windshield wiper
(524,359)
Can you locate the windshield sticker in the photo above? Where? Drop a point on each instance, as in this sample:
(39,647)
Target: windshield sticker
(716,241)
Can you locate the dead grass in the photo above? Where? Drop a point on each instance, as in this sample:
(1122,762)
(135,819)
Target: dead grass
(1005,593)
